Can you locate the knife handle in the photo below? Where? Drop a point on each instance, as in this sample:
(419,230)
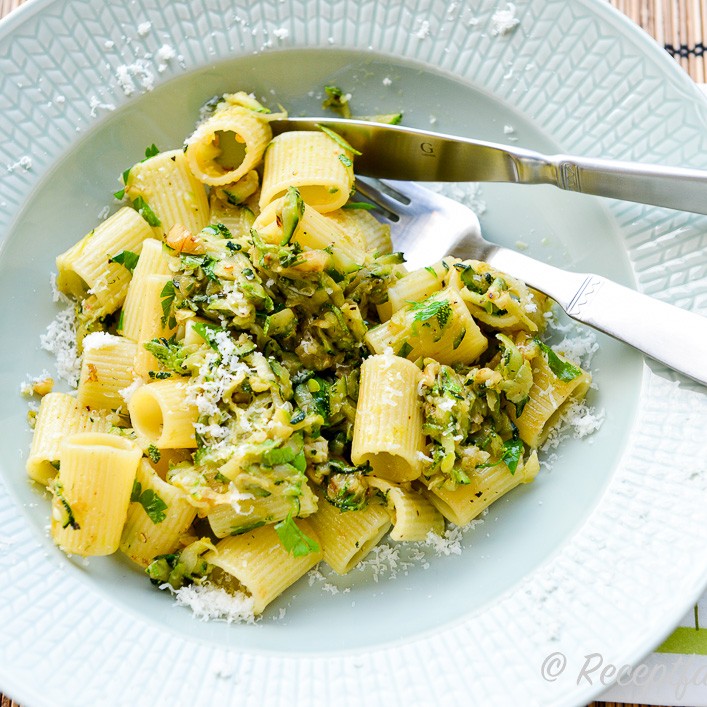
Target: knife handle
(668,334)
(673,187)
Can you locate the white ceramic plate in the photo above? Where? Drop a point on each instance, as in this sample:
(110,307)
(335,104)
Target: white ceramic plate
(602,555)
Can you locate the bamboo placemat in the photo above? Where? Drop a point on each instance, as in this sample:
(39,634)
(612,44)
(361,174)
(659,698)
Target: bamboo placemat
(678,25)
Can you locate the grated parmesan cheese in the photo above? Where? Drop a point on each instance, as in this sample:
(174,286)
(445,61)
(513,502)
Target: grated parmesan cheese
(578,421)
(127,393)
(211,603)
(143,29)
(504,21)
(96,340)
(281,32)
(25,162)
(384,559)
(57,294)
(509,130)
(579,348)
(30,386)
(392,560)
(235,497)
(139,71)
(423,29)
(95,105)
(60,340)
(164,55)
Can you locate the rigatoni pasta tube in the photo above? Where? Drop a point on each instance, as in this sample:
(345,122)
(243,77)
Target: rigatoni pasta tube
(227,146)
(313,162)
(388,428)
(414,517)
(314,230)
(364,229)
(259,562)
(548,399)
(238,218)
(156,520)
(86,267)
(466,502)
(417,285)
(439,327)
(168,458)
(106,369)
(160,413)
(92,493)
(165,183)
(153,261)
(225,519)
(151,320)
(59,415)
(497,299)
(347,537)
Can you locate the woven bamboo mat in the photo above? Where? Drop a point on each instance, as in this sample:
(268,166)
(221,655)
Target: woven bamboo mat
(680,26)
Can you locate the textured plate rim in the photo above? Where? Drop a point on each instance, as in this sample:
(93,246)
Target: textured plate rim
(655,386)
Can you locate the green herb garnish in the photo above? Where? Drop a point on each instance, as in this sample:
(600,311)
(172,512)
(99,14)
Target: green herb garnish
(151,151)
(439,309)
(170,353)
(159,375)
(143,208)
(337,100)
(338,139)
(359,205)
(293,539)
(206,332)
(154,506)
(386,118)
(153,453)
(167,296)
(218,229)
(126,258)
(564,370)
(470,278)
(512,452)
(121,193)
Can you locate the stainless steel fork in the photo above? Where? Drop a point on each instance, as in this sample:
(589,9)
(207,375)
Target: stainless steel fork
(426,226)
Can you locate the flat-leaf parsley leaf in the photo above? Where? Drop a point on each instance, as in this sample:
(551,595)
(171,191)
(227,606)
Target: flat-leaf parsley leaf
(293,539)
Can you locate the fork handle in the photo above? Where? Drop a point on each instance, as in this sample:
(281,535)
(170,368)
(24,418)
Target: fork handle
(666,333)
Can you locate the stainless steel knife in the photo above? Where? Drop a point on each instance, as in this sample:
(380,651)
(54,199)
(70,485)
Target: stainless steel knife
(397,152)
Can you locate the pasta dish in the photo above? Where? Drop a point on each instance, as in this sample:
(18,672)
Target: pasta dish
(264,385)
